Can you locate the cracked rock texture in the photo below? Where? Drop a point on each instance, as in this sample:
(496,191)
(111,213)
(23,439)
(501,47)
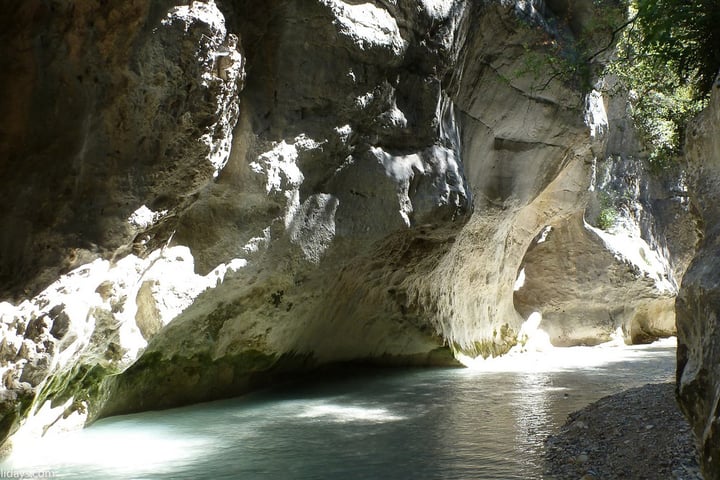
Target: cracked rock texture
(698,302)
(106,109)
(592,281)
(210,195)
(103,110)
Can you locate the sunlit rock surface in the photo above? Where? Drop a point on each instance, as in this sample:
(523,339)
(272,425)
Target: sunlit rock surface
(698,302)
(105,109)
(345,180)
(615,266)
(113,118)
(244,190)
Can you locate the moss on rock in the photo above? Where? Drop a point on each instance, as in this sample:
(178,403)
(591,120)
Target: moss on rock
(158,382)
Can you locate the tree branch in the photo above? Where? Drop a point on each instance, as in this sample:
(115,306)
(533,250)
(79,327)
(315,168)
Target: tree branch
(612,38)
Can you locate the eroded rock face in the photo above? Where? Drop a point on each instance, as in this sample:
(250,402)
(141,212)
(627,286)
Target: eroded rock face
(698,301)
(350,190)
(612,270)
(586,292)
(346,179)
(595,278)
(106,109)
(369,195)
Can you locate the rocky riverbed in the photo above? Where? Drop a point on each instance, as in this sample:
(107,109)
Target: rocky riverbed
(636,434)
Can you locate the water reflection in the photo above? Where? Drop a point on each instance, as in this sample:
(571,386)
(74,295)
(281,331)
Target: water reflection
(133,448)
(343,414)
(532,418)
(440,423)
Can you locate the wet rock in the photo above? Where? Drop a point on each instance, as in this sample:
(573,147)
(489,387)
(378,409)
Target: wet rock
(60,322)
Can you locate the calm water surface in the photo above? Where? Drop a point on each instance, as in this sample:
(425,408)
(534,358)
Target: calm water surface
(481,423)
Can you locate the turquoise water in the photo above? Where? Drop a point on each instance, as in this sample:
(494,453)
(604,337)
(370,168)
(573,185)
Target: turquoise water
(482,423)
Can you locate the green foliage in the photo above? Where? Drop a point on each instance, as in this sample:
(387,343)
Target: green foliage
(667,57)
(606,218)
(608,211)
(568,48)
(684,36)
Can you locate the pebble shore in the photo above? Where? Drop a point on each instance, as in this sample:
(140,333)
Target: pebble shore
(636,434)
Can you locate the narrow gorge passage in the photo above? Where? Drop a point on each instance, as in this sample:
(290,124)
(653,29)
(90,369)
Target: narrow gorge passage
(488,422)
(203,199)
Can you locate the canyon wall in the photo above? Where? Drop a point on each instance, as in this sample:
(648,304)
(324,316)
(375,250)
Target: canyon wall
(698,302)
(613,270)
(208,196)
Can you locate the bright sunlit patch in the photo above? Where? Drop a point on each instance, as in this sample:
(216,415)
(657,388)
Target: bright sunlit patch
(532,338)
(544,234)
(369,26)
(143,217)
(341,414)
(48,421)
(562,358)
(520,280)
(665,342)
(626,243)
(111,448)
(617,338)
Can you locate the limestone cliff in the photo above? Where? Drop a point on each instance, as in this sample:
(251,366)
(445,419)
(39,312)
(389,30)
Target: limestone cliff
(206,195)
(698,303)
(108,111)
(613,269)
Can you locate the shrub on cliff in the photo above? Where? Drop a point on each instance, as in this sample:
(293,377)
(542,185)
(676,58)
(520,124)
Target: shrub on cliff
(683,36)
(668,57)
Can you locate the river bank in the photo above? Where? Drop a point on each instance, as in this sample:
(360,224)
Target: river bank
(638,433)
(486,423)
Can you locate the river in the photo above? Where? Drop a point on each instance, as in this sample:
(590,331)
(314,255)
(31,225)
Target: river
(485,422)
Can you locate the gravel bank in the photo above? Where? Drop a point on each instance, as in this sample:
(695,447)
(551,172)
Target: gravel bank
(636,434)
